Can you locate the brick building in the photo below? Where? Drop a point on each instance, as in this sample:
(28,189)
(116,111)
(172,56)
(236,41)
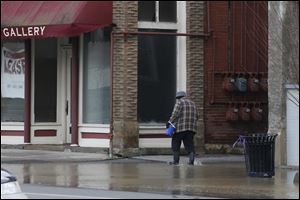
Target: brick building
(110,80)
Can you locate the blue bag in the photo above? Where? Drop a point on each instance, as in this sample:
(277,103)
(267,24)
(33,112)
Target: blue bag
(170,131)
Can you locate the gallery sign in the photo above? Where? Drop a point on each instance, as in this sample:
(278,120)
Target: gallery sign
(21,32)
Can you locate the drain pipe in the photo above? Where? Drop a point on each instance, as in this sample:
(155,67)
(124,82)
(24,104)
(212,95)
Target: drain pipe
(126,33)
(111,95)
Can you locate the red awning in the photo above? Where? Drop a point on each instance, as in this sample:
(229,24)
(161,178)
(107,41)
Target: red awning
(42,19)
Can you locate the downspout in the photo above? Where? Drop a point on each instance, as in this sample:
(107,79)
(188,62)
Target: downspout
(214,51)
(125,33)
(111,127)
(74,90)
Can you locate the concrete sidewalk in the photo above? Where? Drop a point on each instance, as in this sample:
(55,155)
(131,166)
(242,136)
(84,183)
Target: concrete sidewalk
(21,155)
(221,176)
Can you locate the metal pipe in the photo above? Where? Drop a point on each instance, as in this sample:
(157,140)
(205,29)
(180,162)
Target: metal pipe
(213,68)
(125,33)
(74,90)
(208,15)
(111,94)
(27,91)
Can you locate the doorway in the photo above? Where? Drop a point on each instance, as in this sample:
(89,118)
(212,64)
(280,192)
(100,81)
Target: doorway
(51,118)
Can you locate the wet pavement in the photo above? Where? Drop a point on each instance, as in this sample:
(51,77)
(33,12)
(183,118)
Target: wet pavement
(221,176)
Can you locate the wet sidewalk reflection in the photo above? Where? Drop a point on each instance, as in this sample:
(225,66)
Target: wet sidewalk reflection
(219,180)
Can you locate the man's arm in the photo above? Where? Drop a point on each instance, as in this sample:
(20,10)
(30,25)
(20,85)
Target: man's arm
(176,112)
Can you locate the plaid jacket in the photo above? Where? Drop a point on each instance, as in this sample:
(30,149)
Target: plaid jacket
(184,115)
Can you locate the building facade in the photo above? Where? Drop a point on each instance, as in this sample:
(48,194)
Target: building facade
(284,80)
(111,83)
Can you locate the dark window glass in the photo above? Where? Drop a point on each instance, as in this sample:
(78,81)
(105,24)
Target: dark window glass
(156,77)
(45,92)
(12,81)
(167,11)
(146,11)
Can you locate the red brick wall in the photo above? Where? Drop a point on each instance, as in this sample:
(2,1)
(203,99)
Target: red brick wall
(239,46)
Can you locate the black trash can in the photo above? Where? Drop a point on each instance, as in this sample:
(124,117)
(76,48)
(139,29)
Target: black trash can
(259,154)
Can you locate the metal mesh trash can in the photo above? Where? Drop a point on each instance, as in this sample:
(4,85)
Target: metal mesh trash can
(259,154)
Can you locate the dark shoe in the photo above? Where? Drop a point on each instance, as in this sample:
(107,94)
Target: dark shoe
(191,158)
(176,156)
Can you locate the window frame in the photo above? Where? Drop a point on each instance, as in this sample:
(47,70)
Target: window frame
(13,125)
(180,27)
(149,23)
(83,126)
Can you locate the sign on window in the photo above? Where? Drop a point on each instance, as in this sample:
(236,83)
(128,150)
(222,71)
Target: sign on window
(12,73)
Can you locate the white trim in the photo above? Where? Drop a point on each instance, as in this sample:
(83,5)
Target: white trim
(94,125)
(93,130)
(157,25)
(93,142)
(151,126)
(47,139)
(292,86)
(154,142)
(12,127)
(12,139)
(60,87)
(80,87)
(162,25)
(180,27)
(12,124)
(32,80)
(64,90)
(181,47)
(156,11)
(84,127)
(292,127)
(152,129)
(80,119)
(58,126)
(45,124)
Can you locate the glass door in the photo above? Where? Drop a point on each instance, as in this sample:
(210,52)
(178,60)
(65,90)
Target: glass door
(51,92)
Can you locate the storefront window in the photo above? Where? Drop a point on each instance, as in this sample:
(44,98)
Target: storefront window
(167,11)
(156,77)
(12,81)
(146,11)
(157,11)
(96,77)
(45,91)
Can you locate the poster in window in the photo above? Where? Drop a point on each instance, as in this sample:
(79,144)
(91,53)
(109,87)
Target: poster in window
(12,73)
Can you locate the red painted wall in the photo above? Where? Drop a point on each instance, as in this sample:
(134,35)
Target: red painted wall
(238,47)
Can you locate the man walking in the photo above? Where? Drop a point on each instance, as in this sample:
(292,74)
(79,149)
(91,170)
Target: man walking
(185,117)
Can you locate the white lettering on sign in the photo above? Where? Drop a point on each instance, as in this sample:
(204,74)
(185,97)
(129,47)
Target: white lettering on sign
(23,31)
(12,73)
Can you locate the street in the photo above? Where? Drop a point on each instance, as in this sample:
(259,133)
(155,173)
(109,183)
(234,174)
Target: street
(50,192)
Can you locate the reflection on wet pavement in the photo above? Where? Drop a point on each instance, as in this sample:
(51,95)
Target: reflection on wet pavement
(219,180)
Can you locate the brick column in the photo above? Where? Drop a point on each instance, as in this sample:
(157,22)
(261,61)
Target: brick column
(125,80)
(195,64)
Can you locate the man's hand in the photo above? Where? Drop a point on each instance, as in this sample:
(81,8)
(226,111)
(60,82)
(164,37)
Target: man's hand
(167,125)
